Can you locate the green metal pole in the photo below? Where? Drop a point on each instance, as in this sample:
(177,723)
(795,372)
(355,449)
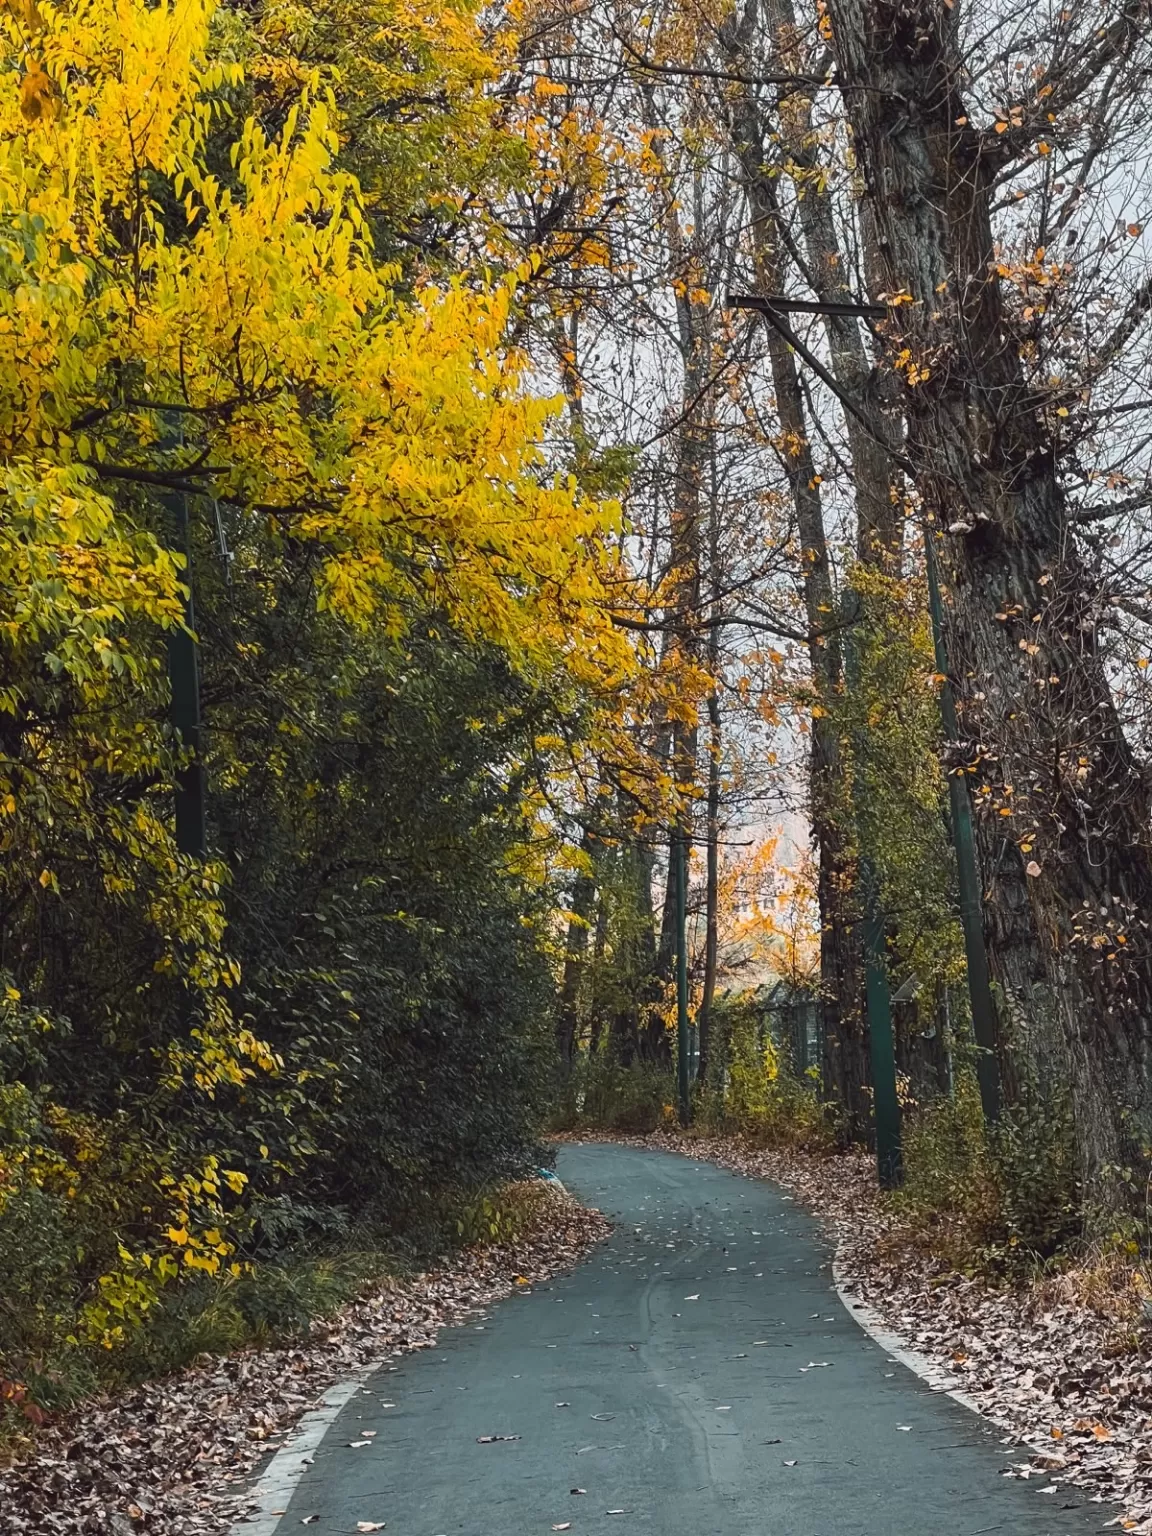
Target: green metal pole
(184,680)
(877,997)
(886,1104)
(981,1001)
(680,854)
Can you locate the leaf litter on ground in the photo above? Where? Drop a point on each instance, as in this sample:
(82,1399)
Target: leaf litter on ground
(177,1457)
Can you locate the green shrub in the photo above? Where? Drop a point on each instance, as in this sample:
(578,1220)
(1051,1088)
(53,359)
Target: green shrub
(634,1100)
(751,1090)
(993,1200)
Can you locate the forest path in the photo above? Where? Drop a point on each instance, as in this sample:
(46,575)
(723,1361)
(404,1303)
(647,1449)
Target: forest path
(696,1376)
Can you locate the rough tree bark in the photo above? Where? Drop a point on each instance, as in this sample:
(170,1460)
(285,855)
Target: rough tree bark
(845,1072)
(1072,894)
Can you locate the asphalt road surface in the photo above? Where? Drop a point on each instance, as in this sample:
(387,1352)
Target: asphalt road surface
(696,1376)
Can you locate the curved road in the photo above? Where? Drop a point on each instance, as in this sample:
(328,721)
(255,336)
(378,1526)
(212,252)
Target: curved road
(696,1376)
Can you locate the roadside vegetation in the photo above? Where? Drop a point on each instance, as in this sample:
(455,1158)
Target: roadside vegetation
(458,638)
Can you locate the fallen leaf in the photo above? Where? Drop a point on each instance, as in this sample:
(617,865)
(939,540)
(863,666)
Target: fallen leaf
(196,1439)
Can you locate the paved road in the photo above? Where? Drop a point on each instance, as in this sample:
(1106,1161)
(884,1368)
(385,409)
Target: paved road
(696,1376)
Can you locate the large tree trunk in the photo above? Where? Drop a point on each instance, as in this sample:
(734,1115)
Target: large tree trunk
(845,1072)
(1068,943)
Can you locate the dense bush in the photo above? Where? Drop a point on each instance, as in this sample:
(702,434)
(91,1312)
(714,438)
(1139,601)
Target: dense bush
(992,1200)
(388,955)
(634,1100)
(752,1089)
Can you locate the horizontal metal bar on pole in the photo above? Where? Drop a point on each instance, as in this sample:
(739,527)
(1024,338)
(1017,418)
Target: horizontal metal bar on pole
(785,306)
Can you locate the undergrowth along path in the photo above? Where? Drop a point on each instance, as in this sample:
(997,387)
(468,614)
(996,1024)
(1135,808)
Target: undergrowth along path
(176,1457)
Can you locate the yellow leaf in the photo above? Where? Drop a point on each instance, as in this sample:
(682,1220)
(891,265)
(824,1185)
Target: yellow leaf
(38,100)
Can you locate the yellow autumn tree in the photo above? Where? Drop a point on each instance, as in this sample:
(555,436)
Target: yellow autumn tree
(190,305)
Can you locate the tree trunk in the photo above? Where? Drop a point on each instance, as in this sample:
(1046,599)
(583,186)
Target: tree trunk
(845,1071)
(1071,892)
(879,514)
(596,1006)
(711,887)
(567,1014)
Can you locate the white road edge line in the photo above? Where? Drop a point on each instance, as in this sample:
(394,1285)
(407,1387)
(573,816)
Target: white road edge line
(876,1328)
(928,1370)
(278,1481)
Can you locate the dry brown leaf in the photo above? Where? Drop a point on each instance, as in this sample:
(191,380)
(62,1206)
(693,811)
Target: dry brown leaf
(184,1449)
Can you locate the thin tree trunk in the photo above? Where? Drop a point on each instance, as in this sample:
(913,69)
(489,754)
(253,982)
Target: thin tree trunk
(711,886)
(879,513)
(575,949)
(845,1071)
(596,1007)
